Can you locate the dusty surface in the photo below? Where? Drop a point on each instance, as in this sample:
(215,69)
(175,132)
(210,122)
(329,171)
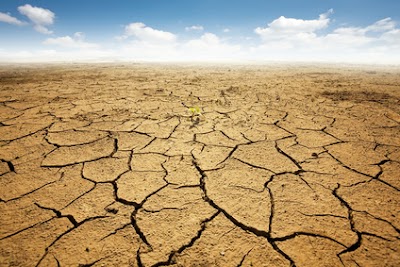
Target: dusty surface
(104,165)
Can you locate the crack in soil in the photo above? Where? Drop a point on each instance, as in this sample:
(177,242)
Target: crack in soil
(357,244)
(171,256)
(236,222)
(257,125)
(65,233)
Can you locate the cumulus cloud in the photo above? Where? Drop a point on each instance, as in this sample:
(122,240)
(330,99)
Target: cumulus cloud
(210,47)
(141,42)
(40,17)
(289,39)
(77,41)
(147,34)
(298,39)
(205,40)
(288,33)
(7,18)
(358,36)
(379,33)
(195,28)
(345,37)
(284,25)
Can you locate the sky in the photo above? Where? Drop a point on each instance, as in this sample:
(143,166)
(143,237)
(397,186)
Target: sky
(337,31)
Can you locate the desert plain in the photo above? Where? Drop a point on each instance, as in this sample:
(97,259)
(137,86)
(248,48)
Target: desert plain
(199,165)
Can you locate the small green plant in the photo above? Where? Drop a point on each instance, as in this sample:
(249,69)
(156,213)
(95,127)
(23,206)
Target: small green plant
(195,113)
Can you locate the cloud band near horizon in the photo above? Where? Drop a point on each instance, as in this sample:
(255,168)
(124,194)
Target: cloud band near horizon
(282,39)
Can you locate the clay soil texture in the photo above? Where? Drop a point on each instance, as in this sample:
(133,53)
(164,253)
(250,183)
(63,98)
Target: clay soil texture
(167,165)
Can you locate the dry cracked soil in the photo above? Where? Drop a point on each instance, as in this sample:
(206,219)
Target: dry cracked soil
(284,165)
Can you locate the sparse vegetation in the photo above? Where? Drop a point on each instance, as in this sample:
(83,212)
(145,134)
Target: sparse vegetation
(195,113)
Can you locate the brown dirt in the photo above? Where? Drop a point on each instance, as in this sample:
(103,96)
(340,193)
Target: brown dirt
(103,165)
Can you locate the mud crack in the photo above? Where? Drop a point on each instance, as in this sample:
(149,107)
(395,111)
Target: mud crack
(251,229)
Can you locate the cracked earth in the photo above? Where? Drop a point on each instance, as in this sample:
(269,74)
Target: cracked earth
(103,165)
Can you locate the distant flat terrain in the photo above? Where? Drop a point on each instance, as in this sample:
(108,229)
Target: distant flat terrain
(199,165)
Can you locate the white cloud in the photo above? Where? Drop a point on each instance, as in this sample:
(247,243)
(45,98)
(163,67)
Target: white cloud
(287,39)
(40,17)
(226,30)
(284,26)
(147,34)
(195,28)
(43,55)
(148,51)
(296,39)
(357,37)
(42,29)
(382,25)
(291,33)
(343,38)
(392,37)
(206,39)
(77,41)
(7,18)
(147,43)
(37,15)
(210,47)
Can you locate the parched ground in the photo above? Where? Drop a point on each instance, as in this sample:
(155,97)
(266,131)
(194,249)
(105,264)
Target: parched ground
(104,165)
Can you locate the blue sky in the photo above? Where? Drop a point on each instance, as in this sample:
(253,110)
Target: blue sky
(355,31)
